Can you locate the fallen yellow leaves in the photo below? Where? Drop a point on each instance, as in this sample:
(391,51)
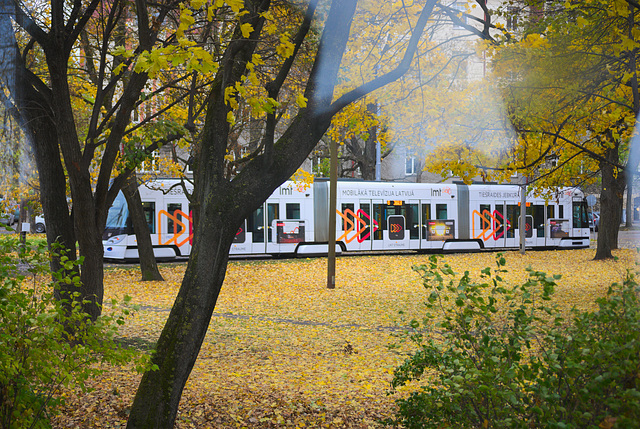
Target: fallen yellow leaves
(284,351)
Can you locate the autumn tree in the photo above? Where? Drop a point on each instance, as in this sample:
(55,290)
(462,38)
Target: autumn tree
(75,100)
(223,201)
(357,131)
(18,176)
(440,100)
(568,78)
(570,84)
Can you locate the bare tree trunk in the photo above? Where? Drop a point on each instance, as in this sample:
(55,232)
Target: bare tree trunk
(148,265)
(611,198)
(157,398)
(225,203)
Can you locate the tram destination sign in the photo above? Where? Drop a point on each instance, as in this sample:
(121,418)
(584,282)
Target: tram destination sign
(377,193)
(398,194)
(499,194)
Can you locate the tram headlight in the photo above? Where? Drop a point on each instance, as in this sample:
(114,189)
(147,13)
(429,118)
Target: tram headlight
(116,239)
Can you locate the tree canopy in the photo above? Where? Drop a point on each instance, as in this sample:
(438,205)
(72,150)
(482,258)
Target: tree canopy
(568,78)
(98,86)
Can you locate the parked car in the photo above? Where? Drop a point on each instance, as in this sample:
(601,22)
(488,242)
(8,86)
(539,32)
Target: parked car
(40,225)
(11,216)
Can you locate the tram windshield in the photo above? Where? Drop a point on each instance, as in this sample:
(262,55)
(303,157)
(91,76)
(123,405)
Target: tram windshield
(580,218)
(118,220)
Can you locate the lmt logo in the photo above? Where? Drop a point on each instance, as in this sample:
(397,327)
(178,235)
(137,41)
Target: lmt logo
(286,191)
(436,193)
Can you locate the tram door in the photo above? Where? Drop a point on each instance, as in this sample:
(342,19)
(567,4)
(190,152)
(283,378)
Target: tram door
(504,222)
(262,228)
(284,226)
(487,223)
(495,223)
(534,225)
(510,216)
(413,222)
(353,224)
(174,227)
(536,214)
(367,226)
(390,218)
(558,226)
(396,235)
(436,226)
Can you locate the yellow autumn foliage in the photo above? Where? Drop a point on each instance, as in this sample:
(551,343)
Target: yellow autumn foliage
(282,350)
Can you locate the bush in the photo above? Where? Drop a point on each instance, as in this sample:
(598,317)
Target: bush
(38,357)
(493,356)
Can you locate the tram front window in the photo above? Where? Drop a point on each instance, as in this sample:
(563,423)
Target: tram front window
(118,220)
(580,219)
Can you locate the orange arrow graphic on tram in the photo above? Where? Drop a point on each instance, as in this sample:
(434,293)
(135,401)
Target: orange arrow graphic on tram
(175,217)
(356,226)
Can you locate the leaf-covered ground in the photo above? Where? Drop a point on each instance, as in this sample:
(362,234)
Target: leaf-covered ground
(284,351)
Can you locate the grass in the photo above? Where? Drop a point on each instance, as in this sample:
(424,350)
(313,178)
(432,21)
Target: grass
(284,351)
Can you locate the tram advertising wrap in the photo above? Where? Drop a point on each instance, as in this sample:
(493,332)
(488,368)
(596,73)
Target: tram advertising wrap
(371,216)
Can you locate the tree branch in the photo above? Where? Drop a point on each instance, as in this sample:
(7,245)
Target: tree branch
(273,87)
(393,75)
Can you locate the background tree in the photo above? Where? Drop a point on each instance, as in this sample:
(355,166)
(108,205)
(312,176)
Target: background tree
(357,130)
(576,99)
(222,200)
(440,100)
(568,77)
(75,104)
(148,266)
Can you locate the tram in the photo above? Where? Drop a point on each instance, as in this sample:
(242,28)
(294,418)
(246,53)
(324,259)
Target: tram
(371,216)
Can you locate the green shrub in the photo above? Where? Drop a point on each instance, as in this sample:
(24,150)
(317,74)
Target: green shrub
(38,357)
(493,356)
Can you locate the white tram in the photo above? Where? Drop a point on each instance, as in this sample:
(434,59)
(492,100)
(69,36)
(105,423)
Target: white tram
(375,216)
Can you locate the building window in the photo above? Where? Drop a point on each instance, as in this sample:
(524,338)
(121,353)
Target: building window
(512,18)
(461,8)
(410,166)
(150,164)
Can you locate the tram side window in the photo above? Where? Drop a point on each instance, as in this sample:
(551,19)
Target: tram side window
(365,208)
(293,210)
(498,221)
(537,211)
(485,214)
(513,212)
(149,208)
(255,225)
(561,211)
(413,221)
(441,211)
(426,215)
(579,210)
(172,227)
(379,216)
(273,213)
(348,220)
(551,211)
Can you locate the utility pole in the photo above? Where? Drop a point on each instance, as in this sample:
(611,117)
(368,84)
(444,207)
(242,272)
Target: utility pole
(378,156)
(333,187)
(523,215)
